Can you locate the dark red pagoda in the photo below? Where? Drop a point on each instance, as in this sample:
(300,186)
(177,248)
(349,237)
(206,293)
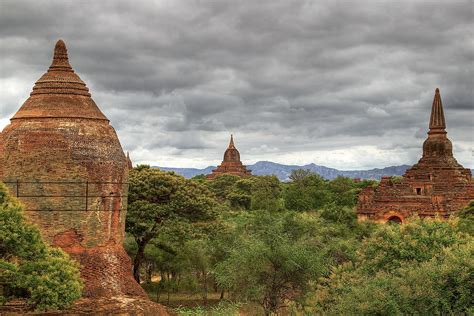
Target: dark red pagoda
(436,186)
(231,163)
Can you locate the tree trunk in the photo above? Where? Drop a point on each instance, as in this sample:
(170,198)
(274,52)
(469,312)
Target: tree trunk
(137,261)
(222,295)
(149,272)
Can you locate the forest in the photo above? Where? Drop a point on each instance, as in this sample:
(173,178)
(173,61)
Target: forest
(259,246)
(296,246)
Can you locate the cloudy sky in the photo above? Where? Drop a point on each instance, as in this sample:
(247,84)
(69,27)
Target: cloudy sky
(345,84)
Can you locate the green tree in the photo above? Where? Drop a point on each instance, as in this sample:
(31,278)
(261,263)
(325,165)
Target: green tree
(222,185)
(466,216)
(423,267)
(157,197)
(298,175)
(29,267)
(272,260)
(308,191)
(344,191)
(266,193)
(240,195)
(199,178)
(340,215)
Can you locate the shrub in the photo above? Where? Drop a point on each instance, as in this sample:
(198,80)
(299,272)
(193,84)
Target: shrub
(29,268)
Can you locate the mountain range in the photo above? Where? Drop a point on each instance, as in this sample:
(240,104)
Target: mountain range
(283,171)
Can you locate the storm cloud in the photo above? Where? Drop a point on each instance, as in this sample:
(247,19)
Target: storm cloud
(346,84)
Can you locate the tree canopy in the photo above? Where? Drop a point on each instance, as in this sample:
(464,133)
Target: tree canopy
(424,266)
(157,198)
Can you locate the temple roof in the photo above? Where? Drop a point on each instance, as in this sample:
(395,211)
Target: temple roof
(60,93)
(437,121)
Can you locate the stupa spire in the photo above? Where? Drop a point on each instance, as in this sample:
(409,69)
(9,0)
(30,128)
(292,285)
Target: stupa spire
(60,92)
(60,77)
(437,122)
(231,143)
(60,58)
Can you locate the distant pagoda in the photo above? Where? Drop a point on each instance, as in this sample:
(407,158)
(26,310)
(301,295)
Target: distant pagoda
(231,163)
(436,186)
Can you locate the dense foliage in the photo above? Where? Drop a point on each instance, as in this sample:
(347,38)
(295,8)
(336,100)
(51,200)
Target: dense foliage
(423,266)
(295,245)
(29,268)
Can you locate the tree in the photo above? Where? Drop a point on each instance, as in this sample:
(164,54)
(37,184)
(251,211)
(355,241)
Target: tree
(222,185)
(272,260)
(240,195)
(199,178)
(266,193)
(466,216)
(339,214)
(344,191)
(29,267)
(157,197)
(308,191)
(423,267)
(298,175)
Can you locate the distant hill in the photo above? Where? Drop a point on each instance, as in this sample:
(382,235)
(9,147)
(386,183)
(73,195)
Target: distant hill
(283,171)
(188,172)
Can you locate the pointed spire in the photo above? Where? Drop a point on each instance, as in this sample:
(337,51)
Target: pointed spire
(60,77)
(60,58)
(437,122)
(231,144)
(60,92)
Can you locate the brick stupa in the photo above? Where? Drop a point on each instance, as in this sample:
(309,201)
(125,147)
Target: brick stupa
(63,160)
(436,186)
(231,163)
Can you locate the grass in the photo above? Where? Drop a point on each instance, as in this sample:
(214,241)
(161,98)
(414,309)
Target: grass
(221,309)
(192,304)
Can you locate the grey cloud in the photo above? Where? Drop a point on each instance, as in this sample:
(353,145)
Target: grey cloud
(287,77)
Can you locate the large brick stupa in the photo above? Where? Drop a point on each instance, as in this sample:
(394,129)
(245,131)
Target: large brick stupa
(63,160)
(231,163)
(436,186)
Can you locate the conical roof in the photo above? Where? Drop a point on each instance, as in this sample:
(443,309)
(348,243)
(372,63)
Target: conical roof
(60,93)
(437,121)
